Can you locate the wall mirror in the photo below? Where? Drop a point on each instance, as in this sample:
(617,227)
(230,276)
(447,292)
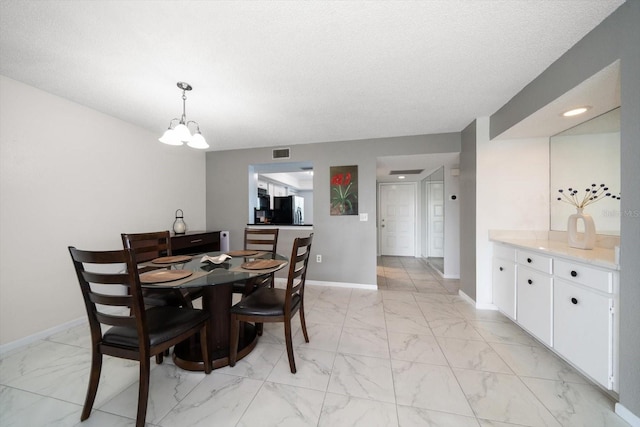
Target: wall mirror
(587,154)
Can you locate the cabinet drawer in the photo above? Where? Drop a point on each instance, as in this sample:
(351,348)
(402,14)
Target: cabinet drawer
(535,303)
(583,330)
(536,261)
(504,252)
(592,277)
(195,243)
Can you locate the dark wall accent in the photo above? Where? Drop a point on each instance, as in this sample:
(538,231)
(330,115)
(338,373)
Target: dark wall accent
(468,211)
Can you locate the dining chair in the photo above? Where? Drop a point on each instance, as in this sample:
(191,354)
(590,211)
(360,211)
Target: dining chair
(136,333)
(263,240)
(275,304)
(149,246)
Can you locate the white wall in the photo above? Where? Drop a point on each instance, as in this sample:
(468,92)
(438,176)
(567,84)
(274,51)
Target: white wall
(512,193)
(70,175)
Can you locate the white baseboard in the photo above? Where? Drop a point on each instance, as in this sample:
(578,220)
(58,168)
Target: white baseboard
(22,342)
(342,285)
(479,306)
(627,415)
(282,282)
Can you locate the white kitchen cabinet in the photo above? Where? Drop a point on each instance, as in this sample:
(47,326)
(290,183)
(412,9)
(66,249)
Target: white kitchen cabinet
(567,302)
(504,280)
(535,303)
(583,329)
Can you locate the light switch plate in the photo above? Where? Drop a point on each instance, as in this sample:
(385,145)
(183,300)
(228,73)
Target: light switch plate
(364,217)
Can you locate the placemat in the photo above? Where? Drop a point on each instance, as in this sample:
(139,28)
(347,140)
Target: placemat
(262,264)
(243,253)
(162,276)
(172,259)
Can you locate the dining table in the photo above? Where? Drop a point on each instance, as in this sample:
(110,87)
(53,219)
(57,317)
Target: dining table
(215,273)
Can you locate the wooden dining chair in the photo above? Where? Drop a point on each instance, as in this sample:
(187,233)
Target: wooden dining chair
(263,240)
(275,304)
(136,333)
(149,246)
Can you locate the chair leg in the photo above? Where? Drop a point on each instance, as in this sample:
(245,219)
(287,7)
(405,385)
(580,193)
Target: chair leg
(233,341)
(94,379)
(143,391)
(159,358)
(259,329)
(287,338)
(303,323)
(204,345)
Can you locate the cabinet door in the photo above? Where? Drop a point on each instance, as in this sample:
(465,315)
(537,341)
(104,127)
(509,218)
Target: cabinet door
(535,298)
(583,330)
(504,286)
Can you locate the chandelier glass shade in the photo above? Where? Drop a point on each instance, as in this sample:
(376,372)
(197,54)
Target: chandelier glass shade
(180,134)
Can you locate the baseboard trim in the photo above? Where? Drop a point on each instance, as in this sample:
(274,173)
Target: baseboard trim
(627,415)
(479,306)
(22,342)
(282,282)
(342,285)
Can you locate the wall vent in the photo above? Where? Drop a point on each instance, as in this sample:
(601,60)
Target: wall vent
(407,172)
(281,153)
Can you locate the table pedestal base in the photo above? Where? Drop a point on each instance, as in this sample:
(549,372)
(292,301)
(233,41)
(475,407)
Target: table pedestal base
(188,355)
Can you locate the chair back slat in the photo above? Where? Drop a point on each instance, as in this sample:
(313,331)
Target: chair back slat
(148,246)
(261,239)
(112,300)
(116,320)
(298,268)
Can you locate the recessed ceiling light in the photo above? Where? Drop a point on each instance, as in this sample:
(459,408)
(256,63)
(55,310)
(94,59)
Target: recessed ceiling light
(401,177)
(575,111)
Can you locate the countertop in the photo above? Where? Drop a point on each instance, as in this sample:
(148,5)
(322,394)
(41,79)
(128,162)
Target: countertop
(538,242)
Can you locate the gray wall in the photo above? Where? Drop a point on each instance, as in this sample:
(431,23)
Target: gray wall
(347,245)
(468,211)
(616,38)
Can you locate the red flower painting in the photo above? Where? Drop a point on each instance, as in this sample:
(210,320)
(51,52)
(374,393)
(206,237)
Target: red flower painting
(344,196)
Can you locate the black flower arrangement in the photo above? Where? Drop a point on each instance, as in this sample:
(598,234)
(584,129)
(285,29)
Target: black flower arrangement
(591,195)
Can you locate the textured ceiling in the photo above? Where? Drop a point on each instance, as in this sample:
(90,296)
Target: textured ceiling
(291,72)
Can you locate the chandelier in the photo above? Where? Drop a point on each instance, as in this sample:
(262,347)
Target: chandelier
(181,134)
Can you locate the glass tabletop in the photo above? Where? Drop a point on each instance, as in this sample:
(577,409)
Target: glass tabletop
(210,274)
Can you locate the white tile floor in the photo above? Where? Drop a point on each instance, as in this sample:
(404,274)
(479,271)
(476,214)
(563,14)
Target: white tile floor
(410,354)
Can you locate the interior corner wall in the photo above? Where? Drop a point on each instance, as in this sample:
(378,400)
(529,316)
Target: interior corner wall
(347,245)
(616,38)
(70,175)
(468,211)
(512,190)
(451,223)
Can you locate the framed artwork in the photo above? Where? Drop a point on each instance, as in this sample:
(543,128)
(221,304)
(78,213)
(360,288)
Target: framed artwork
(344,190)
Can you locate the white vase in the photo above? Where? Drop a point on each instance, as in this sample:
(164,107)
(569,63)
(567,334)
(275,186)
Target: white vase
(586,240)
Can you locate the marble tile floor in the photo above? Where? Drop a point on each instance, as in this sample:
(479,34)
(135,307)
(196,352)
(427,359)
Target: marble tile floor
(412,353)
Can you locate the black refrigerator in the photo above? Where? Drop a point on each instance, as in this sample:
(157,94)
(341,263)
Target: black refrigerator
(288,210)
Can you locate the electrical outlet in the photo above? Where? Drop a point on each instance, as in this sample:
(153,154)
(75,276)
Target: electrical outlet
(318,258)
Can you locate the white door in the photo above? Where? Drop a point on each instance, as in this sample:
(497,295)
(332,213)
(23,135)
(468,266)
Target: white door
(397,219)
(436,219)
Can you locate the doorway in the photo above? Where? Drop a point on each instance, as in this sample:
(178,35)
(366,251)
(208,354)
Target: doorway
(397,219)
(435,219)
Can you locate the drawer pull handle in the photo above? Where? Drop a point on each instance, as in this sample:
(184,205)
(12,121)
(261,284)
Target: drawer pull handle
(529,260)
(530,282)
(196,241)
(501,269)
(574,300)
(574,273)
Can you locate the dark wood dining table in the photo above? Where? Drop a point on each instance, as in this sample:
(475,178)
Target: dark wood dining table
(216,281)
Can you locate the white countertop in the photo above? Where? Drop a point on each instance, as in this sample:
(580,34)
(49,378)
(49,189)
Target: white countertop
(598,256)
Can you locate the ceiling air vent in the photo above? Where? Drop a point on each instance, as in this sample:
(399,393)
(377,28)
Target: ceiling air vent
(281,153)
(407,172)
